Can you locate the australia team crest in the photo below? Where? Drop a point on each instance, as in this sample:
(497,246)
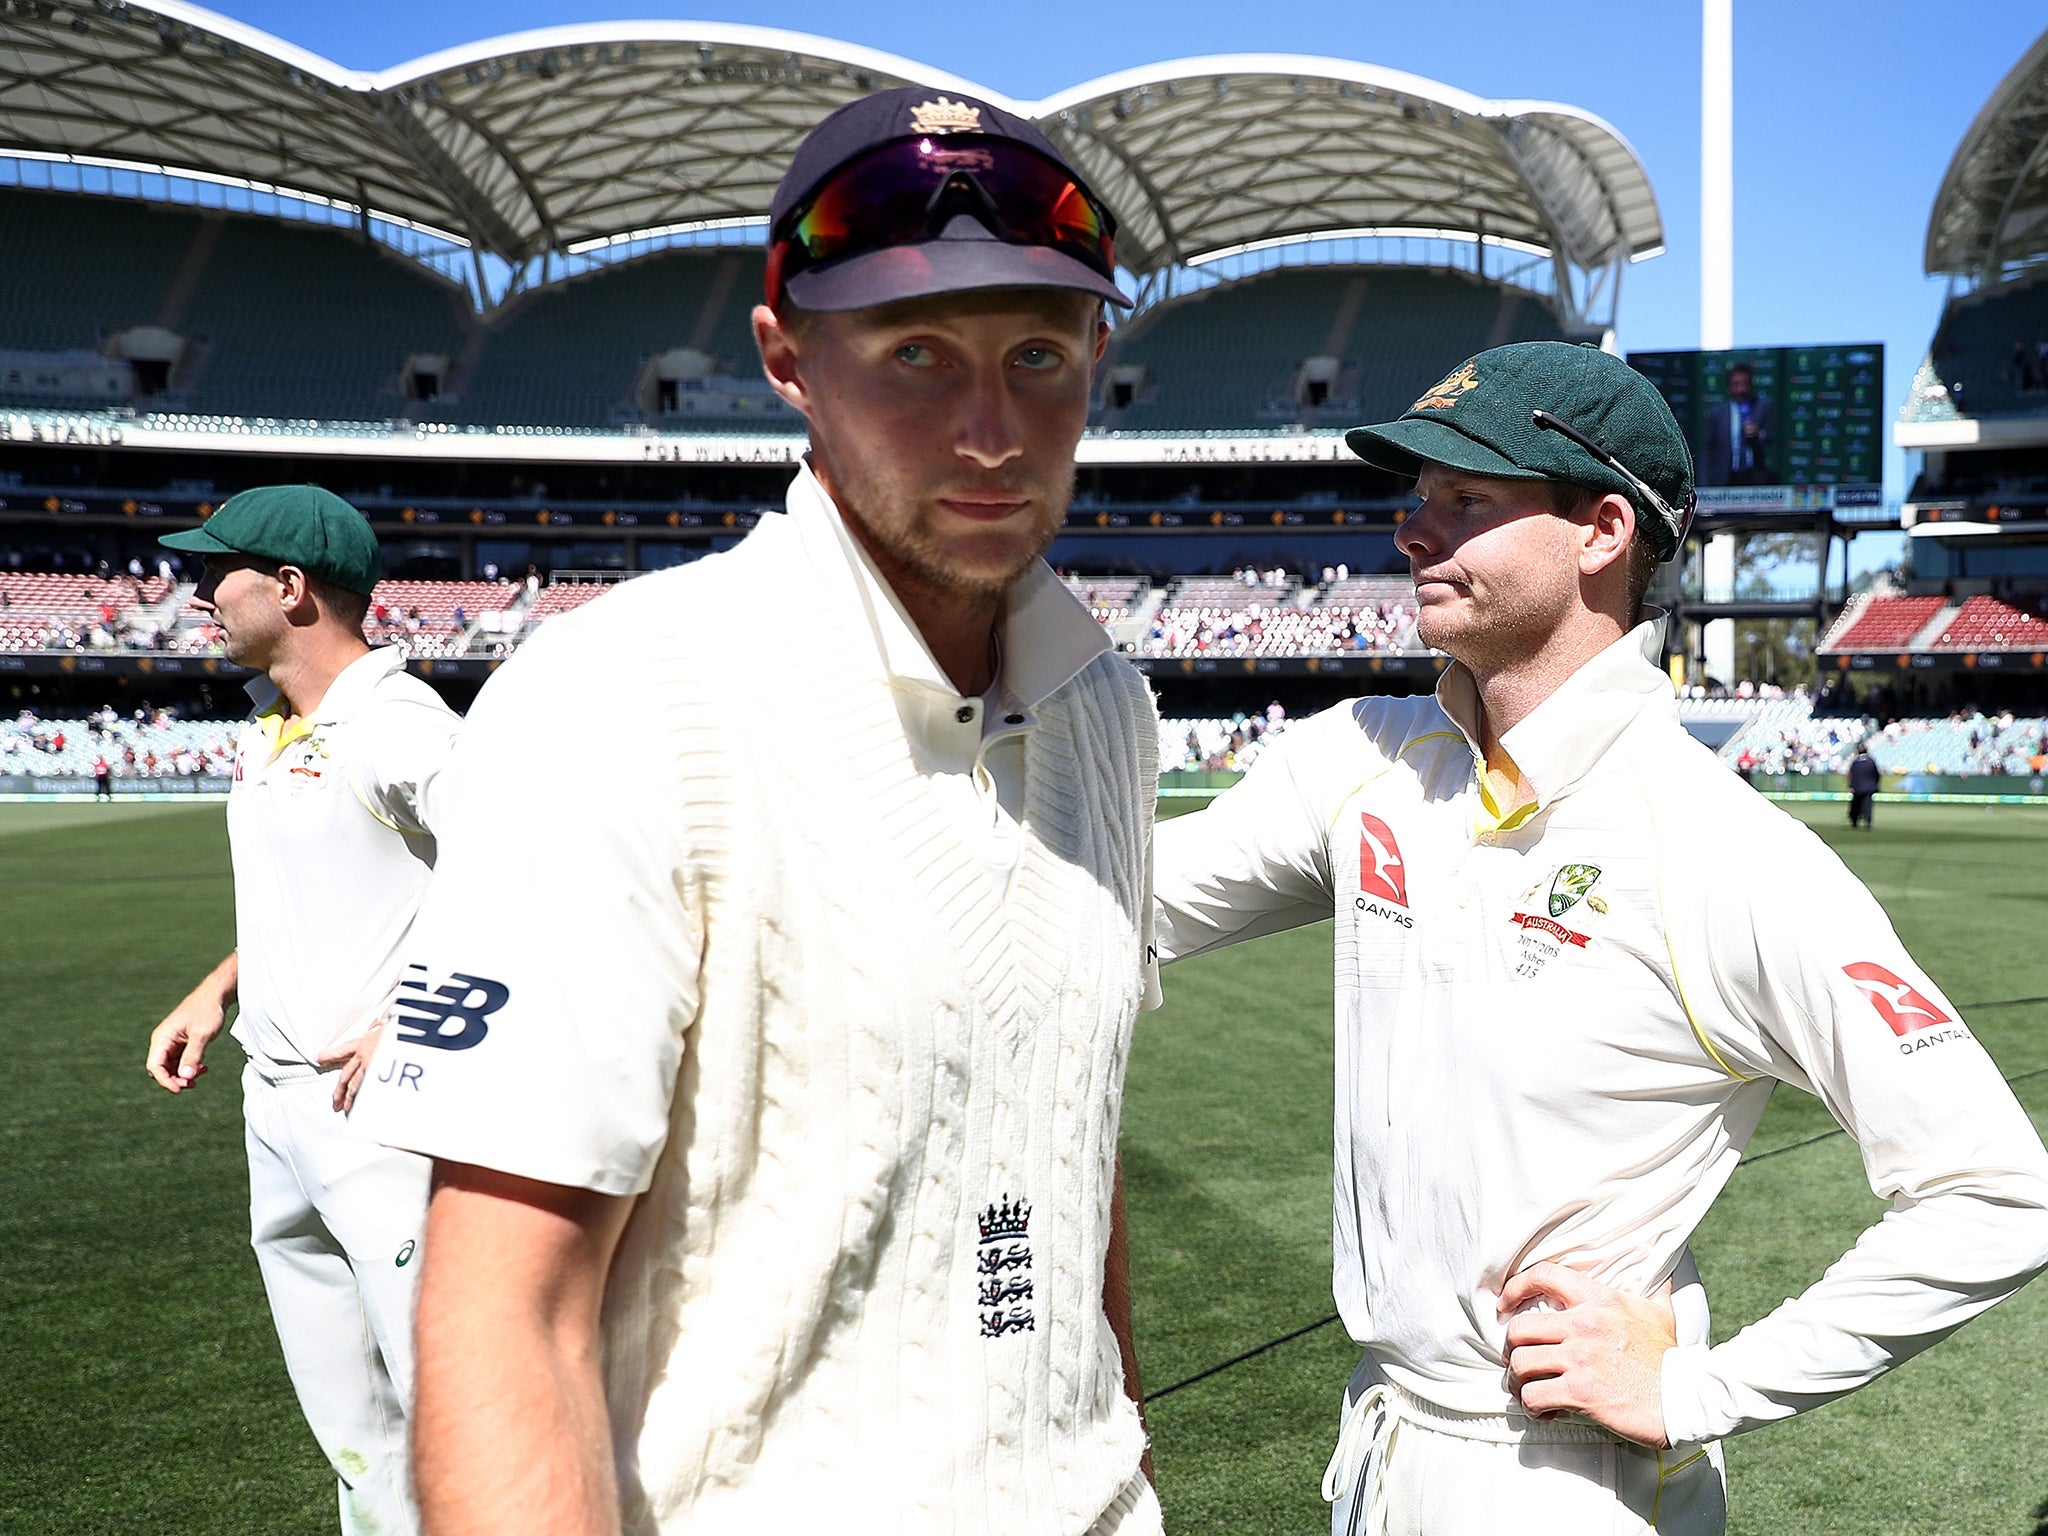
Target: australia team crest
(1571,883)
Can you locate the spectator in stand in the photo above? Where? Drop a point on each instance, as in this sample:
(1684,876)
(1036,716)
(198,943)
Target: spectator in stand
(1863,781)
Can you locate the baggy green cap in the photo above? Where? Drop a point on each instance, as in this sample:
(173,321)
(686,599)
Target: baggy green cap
(300,525)
(1481,419)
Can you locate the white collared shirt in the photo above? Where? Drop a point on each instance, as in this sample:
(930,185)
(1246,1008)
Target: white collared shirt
(972,749)
(329,826)
(1558,1025)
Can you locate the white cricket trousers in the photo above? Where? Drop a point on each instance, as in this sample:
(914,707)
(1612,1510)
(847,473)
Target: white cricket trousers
(1404,1467)
(336,1222)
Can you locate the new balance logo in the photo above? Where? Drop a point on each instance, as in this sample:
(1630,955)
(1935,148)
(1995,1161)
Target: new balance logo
(450,1017)
(1901,1004)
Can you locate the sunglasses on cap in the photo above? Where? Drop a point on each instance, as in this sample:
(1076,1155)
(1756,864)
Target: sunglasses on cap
(1673,518)
(909,190)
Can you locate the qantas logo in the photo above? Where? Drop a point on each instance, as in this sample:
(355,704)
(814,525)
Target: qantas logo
(1381,870)
(1903,1007)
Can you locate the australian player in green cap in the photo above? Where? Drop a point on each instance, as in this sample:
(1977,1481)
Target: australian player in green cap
(1574,953)
(330,821)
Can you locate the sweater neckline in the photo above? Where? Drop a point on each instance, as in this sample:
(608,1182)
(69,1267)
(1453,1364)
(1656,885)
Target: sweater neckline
(1008,944)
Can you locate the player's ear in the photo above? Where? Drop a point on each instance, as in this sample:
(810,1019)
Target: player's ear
(294,591)
(1605,533)
(780,344)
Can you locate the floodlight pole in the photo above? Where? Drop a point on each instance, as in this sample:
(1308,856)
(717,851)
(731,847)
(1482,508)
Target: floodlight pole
(1717,286)
(1717,175)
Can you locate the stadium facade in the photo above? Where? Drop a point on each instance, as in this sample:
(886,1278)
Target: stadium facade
(499,297)
(1970,619)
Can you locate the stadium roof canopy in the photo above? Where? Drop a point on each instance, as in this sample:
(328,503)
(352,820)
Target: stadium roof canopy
(1991,215)
(572,137)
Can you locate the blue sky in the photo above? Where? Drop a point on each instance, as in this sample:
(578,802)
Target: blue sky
(1846,113)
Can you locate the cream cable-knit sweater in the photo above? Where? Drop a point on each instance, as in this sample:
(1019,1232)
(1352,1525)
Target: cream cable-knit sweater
(804,1325)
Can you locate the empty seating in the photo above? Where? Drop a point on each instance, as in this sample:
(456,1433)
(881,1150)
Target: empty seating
(573,354)
(1110,598)
(80,269)
(1234,355)
(51,611)
(565,597)
(1883,624)
(1990,350)
(296,321)
(1986,624)
(1227,616)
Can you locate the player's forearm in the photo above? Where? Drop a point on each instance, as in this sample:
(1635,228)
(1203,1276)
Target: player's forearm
(1913,1279)
(510,1430)
(510,1433)
(222,984)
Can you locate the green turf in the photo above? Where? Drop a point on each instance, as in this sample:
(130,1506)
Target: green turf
(144,1392)
(144,1389)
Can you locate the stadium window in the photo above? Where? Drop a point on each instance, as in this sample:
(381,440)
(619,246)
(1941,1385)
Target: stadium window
(1125,380)
(423,376)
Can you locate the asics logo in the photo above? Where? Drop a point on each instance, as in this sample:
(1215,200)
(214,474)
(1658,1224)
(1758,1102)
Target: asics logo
(451,1017)
(1902,1006)
(1381,870)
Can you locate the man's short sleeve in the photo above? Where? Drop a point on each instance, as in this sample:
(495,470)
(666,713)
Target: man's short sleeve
(398,756)
(539,1023)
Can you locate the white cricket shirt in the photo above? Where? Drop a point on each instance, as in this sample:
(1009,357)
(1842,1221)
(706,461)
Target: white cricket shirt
(328,826)
(1556,1031)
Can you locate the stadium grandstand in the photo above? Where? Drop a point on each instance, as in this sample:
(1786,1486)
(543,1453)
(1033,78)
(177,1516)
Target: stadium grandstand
(500,302)
(1970,618)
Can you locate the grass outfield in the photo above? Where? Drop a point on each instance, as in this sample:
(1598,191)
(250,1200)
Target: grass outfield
(145,1392)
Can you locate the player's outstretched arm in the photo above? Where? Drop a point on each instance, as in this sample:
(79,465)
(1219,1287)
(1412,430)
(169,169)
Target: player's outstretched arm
(509,1431)
(177,1047)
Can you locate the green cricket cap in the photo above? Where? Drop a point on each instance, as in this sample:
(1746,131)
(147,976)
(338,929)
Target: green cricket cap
(1481,418)
(300,525)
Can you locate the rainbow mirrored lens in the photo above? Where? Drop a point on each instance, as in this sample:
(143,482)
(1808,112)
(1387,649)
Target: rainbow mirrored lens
(904,192)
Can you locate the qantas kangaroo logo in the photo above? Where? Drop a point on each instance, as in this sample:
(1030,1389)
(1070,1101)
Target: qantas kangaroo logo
(1903,1007)
(1381,870)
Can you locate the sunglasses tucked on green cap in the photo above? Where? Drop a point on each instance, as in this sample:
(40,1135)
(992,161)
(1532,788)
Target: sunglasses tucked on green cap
(300,525)
(1549,410)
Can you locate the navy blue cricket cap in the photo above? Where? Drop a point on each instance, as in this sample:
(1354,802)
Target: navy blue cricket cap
(885,262)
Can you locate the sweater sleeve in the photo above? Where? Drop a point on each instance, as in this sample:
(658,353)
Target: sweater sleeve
(1826,998)
(539,1026)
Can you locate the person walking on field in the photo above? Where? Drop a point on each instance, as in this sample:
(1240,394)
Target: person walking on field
(1863,782)
(777,1188)
(331,814)
(1574,954)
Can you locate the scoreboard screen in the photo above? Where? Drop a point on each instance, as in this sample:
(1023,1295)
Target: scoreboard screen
(1764,421)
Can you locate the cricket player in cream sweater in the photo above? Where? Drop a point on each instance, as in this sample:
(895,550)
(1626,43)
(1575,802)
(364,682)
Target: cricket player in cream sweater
(775,1137)
(1574,953)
